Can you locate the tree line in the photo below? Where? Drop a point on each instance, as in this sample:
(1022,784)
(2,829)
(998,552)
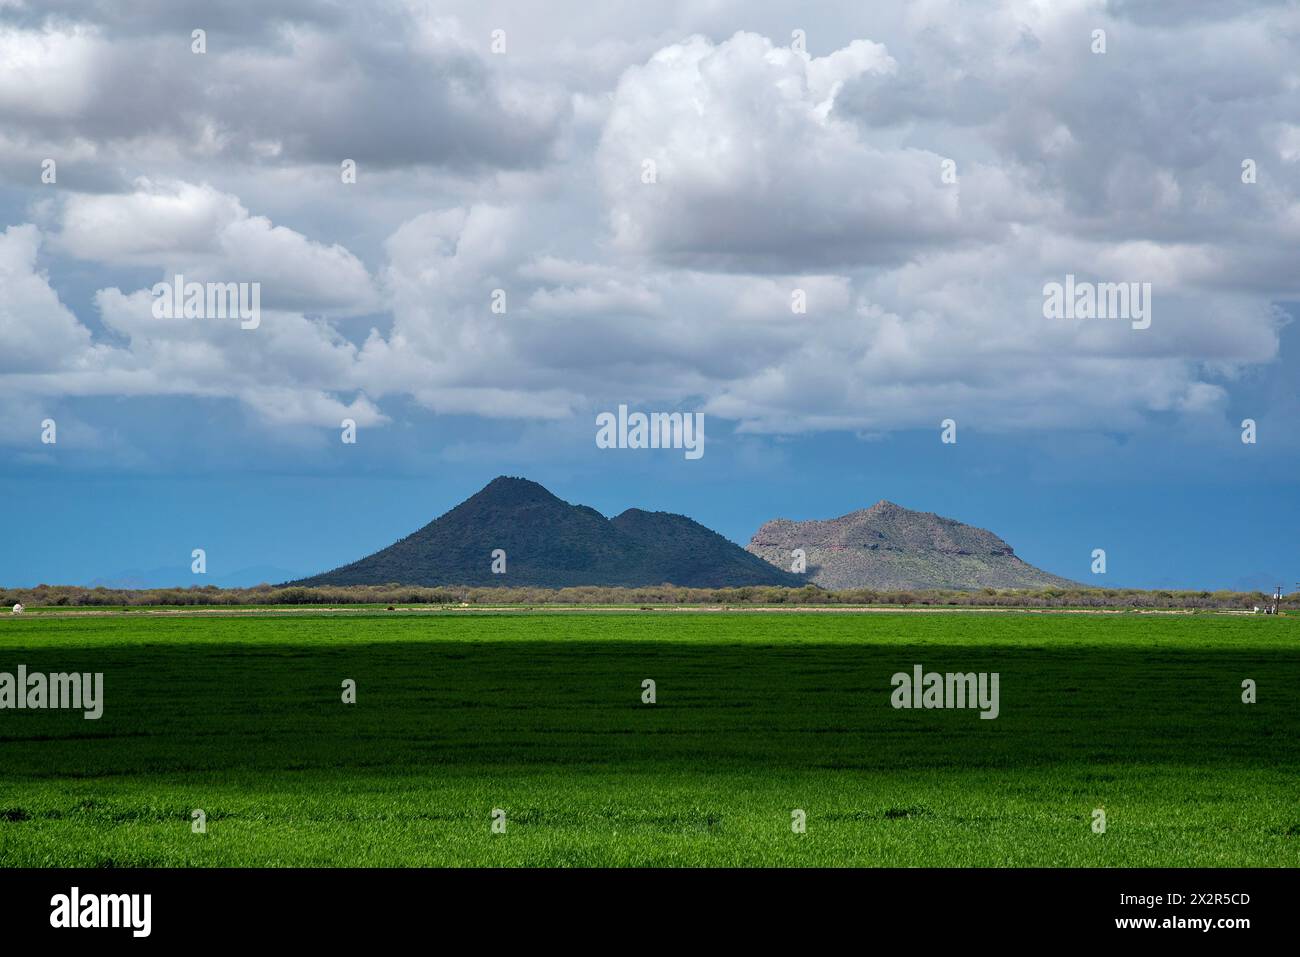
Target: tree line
(395,594)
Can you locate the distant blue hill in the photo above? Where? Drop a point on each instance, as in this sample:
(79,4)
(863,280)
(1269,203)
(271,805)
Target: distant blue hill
(180,576)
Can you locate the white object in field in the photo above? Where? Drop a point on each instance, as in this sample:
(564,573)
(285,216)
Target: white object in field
(18,609)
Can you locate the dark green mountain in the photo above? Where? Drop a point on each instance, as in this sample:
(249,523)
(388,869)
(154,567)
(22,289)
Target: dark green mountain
(552,544)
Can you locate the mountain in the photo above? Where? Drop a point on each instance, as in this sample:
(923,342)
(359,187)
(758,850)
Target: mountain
(552,544)
(887,546)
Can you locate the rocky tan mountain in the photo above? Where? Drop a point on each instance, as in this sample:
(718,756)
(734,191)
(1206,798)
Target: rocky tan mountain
(887,546)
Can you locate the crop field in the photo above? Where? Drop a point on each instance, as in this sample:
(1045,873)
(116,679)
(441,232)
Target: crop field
(541,719)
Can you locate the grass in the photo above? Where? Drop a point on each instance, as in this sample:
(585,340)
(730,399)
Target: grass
(757,715)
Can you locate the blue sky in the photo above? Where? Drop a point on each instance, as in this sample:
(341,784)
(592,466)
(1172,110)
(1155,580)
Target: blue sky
(650,190)
(1171,510)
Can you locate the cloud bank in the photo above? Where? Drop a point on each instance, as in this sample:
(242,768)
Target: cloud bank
(851,233)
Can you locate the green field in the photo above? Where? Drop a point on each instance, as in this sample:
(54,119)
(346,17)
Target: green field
(758,714)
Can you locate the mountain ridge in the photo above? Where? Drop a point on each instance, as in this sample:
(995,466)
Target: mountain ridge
(551,543)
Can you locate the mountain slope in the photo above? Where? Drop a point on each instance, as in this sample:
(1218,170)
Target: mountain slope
(887,546)
(552,544)
(682,551)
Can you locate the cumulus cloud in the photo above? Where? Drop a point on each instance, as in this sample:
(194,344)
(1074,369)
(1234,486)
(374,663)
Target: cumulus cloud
(916,178)
(210,237)
(48,73)
(390,85)
(753,168)
(290,370)
(37,331)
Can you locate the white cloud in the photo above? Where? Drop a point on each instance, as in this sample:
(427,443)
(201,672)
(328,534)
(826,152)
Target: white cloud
(755,169)
(209,236)
(37,331)
(153,225)
(290,370)
(48,73)
(776,171)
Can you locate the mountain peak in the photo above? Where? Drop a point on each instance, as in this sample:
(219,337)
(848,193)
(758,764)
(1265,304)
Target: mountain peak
(513,482)
(509,488)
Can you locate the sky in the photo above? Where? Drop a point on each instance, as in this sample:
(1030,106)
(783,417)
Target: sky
(828,231)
